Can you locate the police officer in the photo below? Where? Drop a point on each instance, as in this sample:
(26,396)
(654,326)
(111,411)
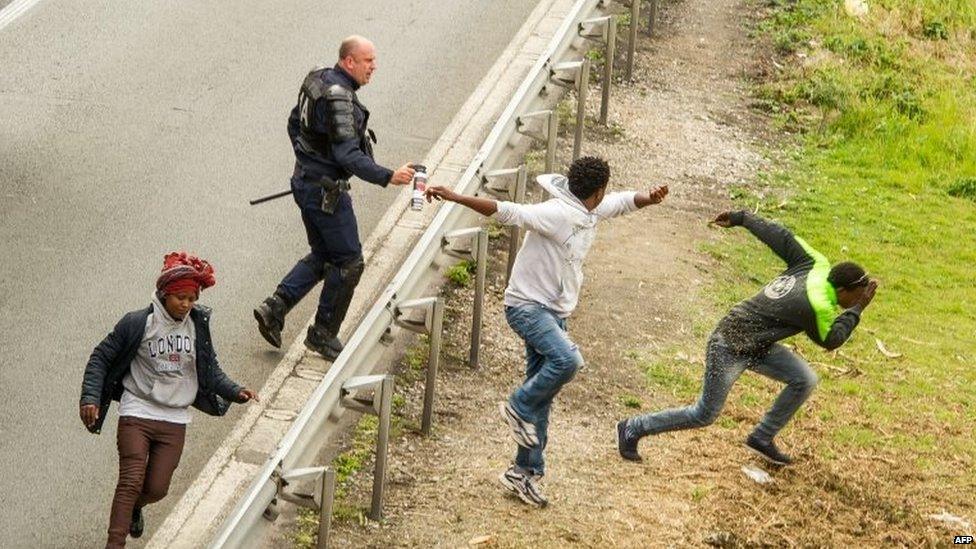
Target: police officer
(328,130)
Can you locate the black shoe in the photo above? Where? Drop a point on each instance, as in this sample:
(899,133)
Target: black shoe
(323,342)
(271,319)
(768,451)
(138,524)
(627,446)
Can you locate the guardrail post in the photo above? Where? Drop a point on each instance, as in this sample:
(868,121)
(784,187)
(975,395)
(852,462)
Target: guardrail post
(379,405)
(582,87)
(479,253)
(581,83)
(608,36)
(609,53)
(285,479)
(325,507)
(514,191)
(433,326)
(651,19)
(549,136)
(632,39)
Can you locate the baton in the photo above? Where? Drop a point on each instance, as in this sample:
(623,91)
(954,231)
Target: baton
(269,197)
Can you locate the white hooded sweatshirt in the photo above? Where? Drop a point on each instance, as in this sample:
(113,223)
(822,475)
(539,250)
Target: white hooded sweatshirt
(162,380)
(549,267)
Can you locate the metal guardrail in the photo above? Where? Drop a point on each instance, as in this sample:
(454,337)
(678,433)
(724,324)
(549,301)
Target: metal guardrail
(318,419)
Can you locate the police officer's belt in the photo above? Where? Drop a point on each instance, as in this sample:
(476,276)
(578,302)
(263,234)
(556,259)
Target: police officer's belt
(334,185)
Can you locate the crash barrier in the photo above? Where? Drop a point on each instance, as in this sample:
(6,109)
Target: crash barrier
(348,384)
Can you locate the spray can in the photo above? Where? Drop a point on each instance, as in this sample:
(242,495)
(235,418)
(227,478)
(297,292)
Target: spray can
(419,186)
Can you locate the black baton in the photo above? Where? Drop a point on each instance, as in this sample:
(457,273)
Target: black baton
(269,197)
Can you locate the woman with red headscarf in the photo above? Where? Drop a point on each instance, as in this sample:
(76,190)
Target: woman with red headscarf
(157,362)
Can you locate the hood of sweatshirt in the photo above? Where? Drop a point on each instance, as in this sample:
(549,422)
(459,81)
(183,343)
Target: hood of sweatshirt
(162,317)
(557,185)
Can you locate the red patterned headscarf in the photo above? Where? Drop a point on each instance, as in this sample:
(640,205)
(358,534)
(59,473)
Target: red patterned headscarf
(184,272)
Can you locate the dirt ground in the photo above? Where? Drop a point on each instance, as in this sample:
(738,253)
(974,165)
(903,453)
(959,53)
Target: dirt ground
(684,121)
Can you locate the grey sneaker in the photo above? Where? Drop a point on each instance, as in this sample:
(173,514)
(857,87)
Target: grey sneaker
(522,431)
(526,487)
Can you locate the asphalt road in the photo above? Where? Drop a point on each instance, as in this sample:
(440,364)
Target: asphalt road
(128,129)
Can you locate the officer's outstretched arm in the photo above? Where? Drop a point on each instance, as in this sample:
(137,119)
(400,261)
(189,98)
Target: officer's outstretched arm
(340,122)
(348,154)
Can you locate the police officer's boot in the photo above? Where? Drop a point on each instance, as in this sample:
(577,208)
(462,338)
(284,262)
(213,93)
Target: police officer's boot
(323,341)
(271,318)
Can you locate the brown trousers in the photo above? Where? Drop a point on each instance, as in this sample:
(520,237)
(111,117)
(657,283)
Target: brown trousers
(149,452)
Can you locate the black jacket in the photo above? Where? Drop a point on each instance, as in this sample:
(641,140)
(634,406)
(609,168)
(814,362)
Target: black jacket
(329,151)
(111,359)
(800,299)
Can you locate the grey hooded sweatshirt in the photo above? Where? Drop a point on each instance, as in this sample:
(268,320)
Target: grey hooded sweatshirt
(162,380)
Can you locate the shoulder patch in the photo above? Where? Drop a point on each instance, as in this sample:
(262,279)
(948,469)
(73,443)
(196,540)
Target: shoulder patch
(780,287)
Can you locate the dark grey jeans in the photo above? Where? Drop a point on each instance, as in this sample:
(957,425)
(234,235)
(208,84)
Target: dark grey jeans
(722,368)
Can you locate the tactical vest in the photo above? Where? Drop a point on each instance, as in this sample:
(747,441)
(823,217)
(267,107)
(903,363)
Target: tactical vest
(342,122)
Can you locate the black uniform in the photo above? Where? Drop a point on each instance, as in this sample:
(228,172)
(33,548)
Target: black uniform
(328,131)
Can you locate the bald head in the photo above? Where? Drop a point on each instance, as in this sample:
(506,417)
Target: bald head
(357,56)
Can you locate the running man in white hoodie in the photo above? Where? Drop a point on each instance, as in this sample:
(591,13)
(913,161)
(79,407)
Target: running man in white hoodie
(543,292)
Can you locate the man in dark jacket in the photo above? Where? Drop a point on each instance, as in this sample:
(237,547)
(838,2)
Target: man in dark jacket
(328,131)
(804,298)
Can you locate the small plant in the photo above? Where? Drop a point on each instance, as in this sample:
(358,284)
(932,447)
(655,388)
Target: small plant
(698,493)
(595,55)
(460,274)
(495,230)
(566,112)
(398,401)
(935,30)
(630,401)
(964,187)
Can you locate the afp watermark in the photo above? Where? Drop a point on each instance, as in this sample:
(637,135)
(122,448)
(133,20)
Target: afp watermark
(962,540)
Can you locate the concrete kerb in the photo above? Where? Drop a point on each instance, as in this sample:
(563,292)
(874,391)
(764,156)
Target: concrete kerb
(212,495)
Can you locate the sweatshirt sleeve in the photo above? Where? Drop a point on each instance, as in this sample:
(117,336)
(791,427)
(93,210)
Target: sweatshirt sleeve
(840,330)
(352,158)
(615,204)
(534,217)
(777,237)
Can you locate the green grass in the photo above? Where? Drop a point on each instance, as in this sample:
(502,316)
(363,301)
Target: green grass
(346,465)
(630,401)
(883,173)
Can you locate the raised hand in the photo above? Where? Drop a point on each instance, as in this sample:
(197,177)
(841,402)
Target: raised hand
(868,293)
(723,220)
(657,194)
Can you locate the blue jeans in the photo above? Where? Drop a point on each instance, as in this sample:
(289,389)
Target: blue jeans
(334,242)
(722,368)
(551,360)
